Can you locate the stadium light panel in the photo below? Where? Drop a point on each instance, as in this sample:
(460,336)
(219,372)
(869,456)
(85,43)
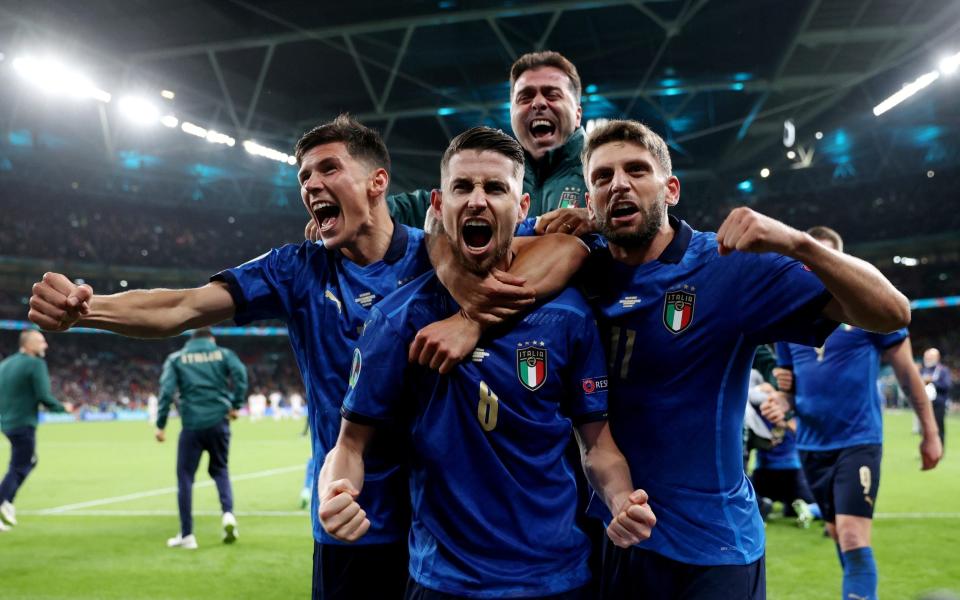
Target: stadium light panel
(139,110)
(764,172)
(169,121)
(188,127)
(256,149)
(949,65)
(818,135)
(54,78)
(168,94)
(791,154)
(908,90)
(215,137)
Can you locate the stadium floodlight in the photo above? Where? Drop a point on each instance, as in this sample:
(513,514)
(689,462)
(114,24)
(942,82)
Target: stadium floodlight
(188,127)
(168,94)
(818,135)
(139,110)
(215,137)
(54,78)
(259,150)
(908,90)
(949,65)
(791,154)
(169,121)
(764,172)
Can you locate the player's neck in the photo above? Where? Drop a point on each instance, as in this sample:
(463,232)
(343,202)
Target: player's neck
(373,239)
(643,254)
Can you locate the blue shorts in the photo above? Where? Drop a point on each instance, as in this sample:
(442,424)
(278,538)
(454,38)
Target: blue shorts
(352,571)
(634,574)
(415,591)
(844,481)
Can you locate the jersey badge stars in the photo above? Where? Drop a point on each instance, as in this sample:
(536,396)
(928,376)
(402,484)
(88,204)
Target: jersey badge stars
(365,299)
(532,364)
(678,309)
(569,197)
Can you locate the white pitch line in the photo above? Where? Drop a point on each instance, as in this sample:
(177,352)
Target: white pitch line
(162,513)
(918,515)
(162,491)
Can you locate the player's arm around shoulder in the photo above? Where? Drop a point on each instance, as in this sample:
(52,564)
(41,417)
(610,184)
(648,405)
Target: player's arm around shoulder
(862,296)
(340,482)
(608,473)
(58,304)
(900,357)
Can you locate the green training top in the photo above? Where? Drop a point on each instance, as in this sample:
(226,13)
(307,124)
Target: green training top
(24,386)
(201,371)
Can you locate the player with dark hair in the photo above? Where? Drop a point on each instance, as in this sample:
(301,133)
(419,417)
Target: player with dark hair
(24,386)
(494,501)
(324,293)
(664,292)
(840,428)
(201,372)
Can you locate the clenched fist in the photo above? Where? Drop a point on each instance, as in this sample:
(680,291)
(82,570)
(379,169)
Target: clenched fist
(57,303)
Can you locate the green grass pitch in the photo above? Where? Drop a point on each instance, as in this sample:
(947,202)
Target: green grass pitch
(113,487)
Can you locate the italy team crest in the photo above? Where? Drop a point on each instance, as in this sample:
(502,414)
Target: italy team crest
(569,197)
(532,365)
(678,310)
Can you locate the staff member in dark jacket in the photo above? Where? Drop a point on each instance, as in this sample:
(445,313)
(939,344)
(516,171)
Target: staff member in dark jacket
(201,371)
(24,386)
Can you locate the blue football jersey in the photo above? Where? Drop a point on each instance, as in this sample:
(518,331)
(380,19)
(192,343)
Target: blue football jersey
(835,386)
(783,456)
(681,332)
(493,498)
(324,298)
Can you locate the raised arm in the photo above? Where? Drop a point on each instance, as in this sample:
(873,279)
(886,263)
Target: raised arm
(900,358)
(607,471)
(543,267)
(862,296)
(58,304)
(340,482)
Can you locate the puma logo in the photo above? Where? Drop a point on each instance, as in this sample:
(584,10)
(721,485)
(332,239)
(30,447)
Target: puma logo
(329,296)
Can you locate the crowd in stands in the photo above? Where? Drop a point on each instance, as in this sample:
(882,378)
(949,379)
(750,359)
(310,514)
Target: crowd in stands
(105,372)
(90,229)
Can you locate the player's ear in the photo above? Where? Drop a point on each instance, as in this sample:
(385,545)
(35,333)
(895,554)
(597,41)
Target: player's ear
(591,213)
(673,191)
(524,207)
(379,181)
(436,201)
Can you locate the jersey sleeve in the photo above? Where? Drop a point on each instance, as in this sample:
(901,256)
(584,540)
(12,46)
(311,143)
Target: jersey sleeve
(784,357)
(265,287)
(587,400)
(781,299)
(238,374)
(41,387)
(409,208)
(883,341)
(376,374)
(168,387)
(526,227)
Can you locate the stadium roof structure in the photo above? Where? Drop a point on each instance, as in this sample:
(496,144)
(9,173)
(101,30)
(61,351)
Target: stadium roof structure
(717,78)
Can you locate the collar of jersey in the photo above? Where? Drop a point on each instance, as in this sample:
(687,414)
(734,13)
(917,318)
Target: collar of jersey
(677,247)
(552,159)
(201,343)
(398,244)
